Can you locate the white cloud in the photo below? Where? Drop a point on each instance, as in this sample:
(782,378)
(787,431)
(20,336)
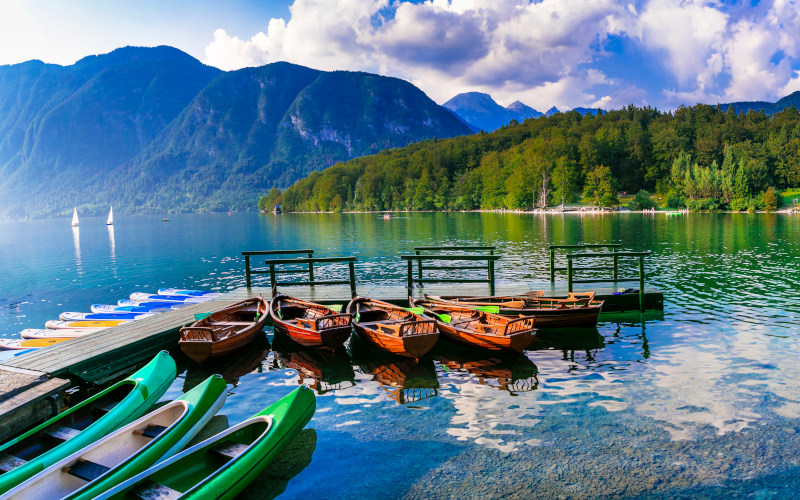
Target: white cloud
(543,53)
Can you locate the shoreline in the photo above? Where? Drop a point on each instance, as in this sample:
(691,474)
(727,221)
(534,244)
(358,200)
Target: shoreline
(786,211)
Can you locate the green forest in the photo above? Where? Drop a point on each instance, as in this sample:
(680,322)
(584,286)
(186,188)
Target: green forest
(700,157)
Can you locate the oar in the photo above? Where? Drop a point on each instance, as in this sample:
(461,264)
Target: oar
(421,310)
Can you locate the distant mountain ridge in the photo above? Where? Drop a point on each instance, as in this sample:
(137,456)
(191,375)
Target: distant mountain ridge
(483,113)
(768,108)
(155,130)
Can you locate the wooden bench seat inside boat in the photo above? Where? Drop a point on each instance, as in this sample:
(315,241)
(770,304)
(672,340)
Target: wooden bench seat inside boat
(86,470)
(106,407)
(150,490)
(151,431)
(229,450)
(10,462)
(230,323)
(61,433)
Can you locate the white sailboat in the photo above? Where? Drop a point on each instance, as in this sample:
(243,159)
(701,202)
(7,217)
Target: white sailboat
(75,217)
(110,221)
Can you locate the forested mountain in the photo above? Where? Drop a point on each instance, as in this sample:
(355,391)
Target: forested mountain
(769,108)
(703,157)
(153,129)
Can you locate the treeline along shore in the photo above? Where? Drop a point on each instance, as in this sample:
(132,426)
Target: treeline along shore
(701,158)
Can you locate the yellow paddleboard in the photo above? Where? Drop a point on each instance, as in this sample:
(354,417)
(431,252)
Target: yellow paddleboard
(28,344)
(57,325)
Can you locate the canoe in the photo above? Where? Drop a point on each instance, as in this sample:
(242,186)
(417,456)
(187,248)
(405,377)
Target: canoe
(309,324)
(392,328)
(60,325)
(151,304)
(69,431)
(129,450)
(190,293)
(223,465)
(225,330)
(139,307)
(578,309)
(23,344)
(45,333)
(79,316)
(149,297)
(467,326)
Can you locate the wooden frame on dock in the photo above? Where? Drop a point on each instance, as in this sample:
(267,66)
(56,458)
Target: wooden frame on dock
(490,260)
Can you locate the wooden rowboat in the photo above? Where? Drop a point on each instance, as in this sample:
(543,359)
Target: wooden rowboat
(465,325)
(83,424)
(225,330)
(223,465)
(309,324)
(392,328)
(578,309)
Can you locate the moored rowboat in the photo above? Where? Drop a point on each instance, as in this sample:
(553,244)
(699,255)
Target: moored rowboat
(223,465)
(84,423)
(129,450)
(392,328)
(225,330)
(579,309)
(309,324)
(475,328)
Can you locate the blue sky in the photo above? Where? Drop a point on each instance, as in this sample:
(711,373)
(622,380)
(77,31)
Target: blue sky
(566,53)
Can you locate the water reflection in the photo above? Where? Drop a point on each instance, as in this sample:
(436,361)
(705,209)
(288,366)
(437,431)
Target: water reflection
(323,370)
(76,242)
(113,246)
(510,372)
(405,380)
(231,366)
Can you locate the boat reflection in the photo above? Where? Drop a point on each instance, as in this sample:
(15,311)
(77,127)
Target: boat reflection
(289,463)
(569,341)
(406,380)
(512,372)
(323,370)
(231,366)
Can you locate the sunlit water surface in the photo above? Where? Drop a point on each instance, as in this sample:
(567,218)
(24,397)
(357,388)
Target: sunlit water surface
(700,402)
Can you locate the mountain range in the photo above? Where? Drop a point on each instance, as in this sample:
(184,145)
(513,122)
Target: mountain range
(155,130)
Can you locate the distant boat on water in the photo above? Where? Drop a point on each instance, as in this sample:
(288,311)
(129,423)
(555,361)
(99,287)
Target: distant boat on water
(110,221)
(75,217)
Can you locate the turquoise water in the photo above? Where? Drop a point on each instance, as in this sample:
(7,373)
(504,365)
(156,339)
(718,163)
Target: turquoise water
(700,402)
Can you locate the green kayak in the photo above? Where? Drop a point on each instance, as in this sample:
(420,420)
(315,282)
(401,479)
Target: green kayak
(129,450)
(223,465)
(85,423)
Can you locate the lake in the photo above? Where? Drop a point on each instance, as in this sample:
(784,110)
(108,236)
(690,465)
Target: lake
(701,401)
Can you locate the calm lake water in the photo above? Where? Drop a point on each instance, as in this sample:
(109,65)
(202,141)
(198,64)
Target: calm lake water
(703,401)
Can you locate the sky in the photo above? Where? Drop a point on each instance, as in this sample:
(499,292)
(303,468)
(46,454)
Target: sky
(563,53)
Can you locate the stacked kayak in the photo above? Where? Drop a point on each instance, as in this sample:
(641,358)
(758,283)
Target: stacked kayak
(223,465)
(181,299)
(129,450)
(83,424)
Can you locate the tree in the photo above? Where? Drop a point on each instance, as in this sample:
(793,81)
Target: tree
(271,199)
(544,189)
(642,201)
(564,180)
(770,199)
(600,187)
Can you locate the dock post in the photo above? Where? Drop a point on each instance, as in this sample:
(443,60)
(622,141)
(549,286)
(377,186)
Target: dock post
(569,273)
(410,276)
(552,265)
(491,277)
(641,282)
(419,268)
(311,268)
(272,281)
(616,264)
(351,265)
(247,270)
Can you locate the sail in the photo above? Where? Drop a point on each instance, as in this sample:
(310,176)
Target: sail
(110,220)
(75,218)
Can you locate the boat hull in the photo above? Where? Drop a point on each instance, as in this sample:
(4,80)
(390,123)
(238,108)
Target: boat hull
(332,337)
(202,340)
(411,347)
(552,317)
(515,342)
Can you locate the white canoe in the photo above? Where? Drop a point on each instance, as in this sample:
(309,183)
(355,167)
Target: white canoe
(44,333)
(113,316)
(59,325)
